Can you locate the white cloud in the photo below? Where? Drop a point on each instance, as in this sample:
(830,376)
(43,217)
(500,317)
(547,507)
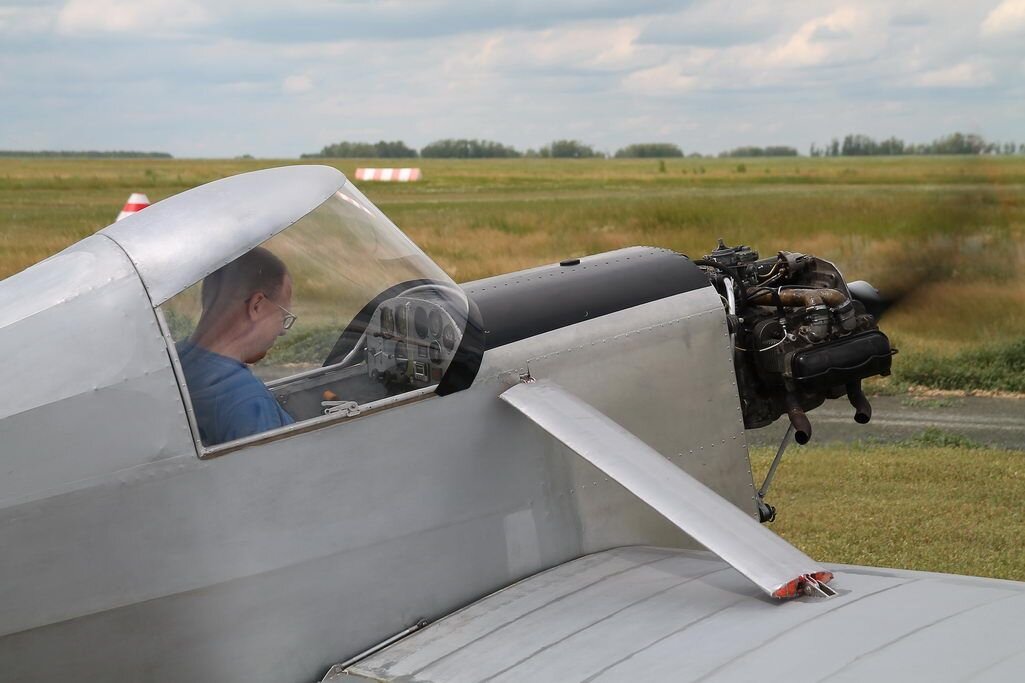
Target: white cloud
(706,74)
(665,79)
(963,75)
(297,83)
(1006,18)
(150,17)
(842,33)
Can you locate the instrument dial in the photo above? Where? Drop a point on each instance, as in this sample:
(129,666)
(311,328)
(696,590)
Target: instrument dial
(387,321)
(401,322)
(420,322)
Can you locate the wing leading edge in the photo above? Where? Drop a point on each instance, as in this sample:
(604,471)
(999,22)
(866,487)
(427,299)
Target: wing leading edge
(775,566)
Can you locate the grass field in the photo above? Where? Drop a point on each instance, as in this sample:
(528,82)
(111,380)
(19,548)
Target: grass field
(945,508)
(950,231)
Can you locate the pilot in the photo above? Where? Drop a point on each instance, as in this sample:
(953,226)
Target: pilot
(245,310)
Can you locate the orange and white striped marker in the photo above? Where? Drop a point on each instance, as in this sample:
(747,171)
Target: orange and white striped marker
(397,175)
(136,202)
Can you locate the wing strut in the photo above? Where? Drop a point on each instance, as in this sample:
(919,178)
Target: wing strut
(775,566)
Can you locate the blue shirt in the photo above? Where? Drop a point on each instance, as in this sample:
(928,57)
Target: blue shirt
(229,401)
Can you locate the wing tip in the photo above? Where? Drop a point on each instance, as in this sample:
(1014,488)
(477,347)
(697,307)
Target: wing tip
(807,584)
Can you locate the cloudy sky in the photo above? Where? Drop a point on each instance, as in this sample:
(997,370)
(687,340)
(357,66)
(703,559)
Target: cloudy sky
(230,77)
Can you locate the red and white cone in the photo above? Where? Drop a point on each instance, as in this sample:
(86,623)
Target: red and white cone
(136,202)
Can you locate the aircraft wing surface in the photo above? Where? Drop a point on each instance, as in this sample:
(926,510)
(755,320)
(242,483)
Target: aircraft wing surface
(659,614)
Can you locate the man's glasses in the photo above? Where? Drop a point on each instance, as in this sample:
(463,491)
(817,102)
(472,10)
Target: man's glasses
(289,318)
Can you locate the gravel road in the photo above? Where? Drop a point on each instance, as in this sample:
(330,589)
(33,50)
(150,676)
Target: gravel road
(996,422)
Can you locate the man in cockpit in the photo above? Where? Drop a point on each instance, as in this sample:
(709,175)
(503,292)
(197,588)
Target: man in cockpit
(245,310)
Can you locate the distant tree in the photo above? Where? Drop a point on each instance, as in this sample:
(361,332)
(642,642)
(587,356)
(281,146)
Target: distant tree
(87,154)
(364,150)
(649,150)
(467,149)
(958,143)
(751,151)
(955,143)
(394,150)
(568,149)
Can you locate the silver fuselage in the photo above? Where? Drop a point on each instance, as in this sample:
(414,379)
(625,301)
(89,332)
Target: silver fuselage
(126,556)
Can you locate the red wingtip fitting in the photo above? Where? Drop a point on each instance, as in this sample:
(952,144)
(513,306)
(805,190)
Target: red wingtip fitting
(808,584)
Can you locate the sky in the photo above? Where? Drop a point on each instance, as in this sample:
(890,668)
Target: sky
(221,78)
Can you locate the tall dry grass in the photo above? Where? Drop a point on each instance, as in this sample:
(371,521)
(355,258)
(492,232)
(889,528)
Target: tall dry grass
(946,233)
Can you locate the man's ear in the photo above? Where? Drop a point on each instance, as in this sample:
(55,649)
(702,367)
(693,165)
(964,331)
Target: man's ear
(254,305)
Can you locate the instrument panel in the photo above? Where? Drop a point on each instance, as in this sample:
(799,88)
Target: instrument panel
(411,340)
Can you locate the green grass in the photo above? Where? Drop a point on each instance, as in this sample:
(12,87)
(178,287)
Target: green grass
(990,367)
(936,503)
(948,231)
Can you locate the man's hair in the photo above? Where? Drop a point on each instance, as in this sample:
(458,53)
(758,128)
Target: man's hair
(255,271)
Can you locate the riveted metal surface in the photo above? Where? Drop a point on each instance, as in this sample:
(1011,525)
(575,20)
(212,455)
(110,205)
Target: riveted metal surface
(182,239)
(757,553)
(346,533)
(664,372)
(88,386)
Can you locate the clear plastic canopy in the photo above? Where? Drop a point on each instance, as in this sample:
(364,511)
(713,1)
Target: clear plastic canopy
(346,259)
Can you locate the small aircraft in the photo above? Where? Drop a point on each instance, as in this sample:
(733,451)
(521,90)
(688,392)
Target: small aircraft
(539,476)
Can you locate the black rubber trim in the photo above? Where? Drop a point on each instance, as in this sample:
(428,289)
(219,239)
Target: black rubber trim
(508,308)
(468,356)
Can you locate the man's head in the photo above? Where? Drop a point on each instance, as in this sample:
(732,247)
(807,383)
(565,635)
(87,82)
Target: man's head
(245,305)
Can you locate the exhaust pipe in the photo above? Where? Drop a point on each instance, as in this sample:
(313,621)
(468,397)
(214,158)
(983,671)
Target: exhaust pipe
(802,428)
(862,408)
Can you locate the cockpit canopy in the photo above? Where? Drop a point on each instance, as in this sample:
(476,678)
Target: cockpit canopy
(373,315)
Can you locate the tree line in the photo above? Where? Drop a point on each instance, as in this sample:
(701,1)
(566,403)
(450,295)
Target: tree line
(88,154)
(849,145)
(771,151)
(452,148)
(857,145)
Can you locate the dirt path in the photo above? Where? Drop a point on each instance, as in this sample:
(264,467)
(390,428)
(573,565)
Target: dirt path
(996,422)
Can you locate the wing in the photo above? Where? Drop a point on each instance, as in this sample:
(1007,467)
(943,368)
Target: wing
(656,614)
(775,566)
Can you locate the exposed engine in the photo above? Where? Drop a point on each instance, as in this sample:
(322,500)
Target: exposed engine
(800,336)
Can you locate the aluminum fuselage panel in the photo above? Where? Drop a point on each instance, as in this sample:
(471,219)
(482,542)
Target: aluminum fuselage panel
(276,561)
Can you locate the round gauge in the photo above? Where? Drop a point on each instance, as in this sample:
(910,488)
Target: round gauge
(420,321)
(448,337)
(401,324)
(434,323)
(435,352)
(387,321)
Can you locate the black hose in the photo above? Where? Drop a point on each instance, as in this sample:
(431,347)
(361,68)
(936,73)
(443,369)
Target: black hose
(738,291)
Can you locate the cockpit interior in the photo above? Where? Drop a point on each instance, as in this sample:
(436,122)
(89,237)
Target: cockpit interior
(374,317)
(407,344)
